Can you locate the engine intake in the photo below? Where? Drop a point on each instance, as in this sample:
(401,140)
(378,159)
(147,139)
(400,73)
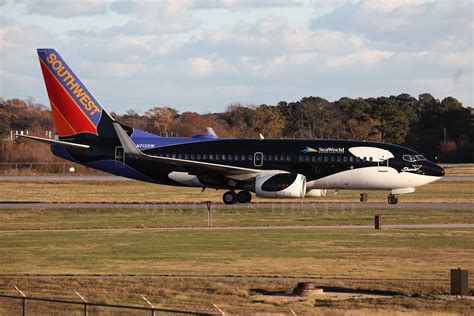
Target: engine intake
(281,185)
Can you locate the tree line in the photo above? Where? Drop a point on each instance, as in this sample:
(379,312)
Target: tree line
(441,129)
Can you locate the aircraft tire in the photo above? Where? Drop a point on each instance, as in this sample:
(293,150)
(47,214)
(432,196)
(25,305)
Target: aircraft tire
(229,197)
(244,197)
(392,199)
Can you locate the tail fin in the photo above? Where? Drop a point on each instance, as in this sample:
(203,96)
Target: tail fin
(75,110)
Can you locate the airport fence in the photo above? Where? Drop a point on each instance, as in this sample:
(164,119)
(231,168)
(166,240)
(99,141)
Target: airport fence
(38,168)
(25,305)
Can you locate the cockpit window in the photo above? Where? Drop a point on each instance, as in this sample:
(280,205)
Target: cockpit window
(413,158)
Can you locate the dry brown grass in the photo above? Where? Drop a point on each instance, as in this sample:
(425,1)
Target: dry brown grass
(134,191)
(233,297)
(459,169)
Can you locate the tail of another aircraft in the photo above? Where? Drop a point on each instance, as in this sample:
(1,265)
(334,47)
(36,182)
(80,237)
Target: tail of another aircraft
(75,110)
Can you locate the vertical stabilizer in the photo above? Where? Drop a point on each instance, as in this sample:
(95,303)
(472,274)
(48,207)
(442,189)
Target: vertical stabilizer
(74,108)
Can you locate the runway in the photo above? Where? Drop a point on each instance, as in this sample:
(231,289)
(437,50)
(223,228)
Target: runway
(256,205)
(231,228)
(117,178)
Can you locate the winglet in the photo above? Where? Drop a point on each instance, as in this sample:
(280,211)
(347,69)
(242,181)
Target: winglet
(127,143)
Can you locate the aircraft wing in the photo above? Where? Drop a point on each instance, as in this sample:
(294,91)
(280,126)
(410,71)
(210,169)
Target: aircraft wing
(232,172)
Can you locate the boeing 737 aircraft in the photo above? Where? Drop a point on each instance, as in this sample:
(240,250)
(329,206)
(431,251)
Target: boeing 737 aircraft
(271,168)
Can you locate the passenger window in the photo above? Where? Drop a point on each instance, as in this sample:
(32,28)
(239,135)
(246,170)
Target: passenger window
(236,157)
(223,157)
(371,159)
(211,156)
(198,156)
(180,156)
(250,157)
(333,159)
(282,158)
(313,158)
(351,159)
(306,158)
(288,158)
(270,157)
(204,156)
(186,156)
(326,158)
(345,158)
(242,157)
(320,158)
(338,158)
(193,157)
(276,157)
(265,157)
(230,157)
(300,158)
(174,156)
(358,159)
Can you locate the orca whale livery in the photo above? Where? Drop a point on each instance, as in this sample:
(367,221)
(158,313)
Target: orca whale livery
(271,168)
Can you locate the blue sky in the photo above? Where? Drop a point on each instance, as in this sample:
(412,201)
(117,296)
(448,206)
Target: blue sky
(202,55)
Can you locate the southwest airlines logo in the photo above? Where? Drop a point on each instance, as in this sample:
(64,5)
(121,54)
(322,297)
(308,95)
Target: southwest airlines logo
(75,88)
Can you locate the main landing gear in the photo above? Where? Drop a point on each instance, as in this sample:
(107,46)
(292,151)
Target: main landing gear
(230,197)
(392,199)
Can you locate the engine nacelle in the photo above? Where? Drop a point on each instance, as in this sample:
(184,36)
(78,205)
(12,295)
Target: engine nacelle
(316,193)
(281,185)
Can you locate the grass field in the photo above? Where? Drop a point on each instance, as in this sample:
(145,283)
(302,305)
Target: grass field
(459,169)
(196,216)
(412,263)
(134,191)
(415,262)
(403,253)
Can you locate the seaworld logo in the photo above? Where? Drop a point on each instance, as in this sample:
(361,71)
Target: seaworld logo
(309,150)
(324,150)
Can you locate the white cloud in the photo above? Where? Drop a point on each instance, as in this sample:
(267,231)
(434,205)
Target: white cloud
(150,26)
(365,57)
(408,24)
(463,59)
(199,66)
(152,51)
(64,8)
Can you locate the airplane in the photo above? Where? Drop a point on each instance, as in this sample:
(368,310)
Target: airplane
(270,168)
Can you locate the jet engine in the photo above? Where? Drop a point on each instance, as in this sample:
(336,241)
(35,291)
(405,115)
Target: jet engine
(281,185)
(316,193)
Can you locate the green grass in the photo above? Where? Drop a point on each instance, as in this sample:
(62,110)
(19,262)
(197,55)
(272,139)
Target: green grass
(405,253)
(196,216)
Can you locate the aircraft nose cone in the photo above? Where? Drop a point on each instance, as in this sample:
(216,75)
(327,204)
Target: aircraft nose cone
(434,170)
(441,171)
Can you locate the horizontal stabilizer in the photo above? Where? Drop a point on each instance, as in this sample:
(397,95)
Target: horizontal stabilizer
(54,142)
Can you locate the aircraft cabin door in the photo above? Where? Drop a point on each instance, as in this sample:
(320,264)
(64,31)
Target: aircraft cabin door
(258,159)
(119,157)
(382,161)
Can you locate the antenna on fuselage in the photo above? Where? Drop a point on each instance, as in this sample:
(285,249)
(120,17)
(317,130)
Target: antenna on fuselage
(261,136)
(210,131)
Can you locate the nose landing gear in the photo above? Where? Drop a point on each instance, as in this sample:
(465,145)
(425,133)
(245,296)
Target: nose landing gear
(392,199)
(230,197)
